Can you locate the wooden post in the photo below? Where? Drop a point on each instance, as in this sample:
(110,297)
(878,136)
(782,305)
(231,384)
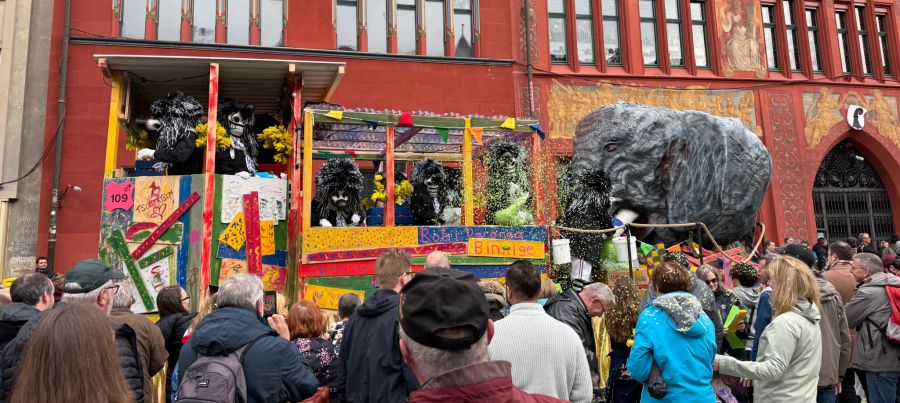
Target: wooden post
(307,169)
(295,179)
(209,192)
(537,161)
(389,176)
(112,129)
(468,203)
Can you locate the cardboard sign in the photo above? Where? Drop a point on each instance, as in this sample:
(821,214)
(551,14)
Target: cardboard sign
(506,248)
(162,228)
(156,197)
(235,234)
(327,297)
(267,237)
(254,252)
(273,277)
(119,195)
(231,267)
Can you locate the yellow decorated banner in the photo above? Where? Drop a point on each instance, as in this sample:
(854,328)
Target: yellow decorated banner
(319,239)
(505,248)
(236,233)
(267,237)
(327,297)
(155,198)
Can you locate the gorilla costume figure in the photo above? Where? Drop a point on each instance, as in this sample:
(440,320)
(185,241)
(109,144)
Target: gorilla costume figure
(174,119)
(430,195)
(238,119)
(507,187)
(339,185)
(651,165)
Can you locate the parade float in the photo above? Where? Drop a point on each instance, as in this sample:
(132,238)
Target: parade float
(196,203)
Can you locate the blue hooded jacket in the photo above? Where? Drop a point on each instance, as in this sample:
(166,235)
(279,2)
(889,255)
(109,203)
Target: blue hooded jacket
(674,332)
(273,367)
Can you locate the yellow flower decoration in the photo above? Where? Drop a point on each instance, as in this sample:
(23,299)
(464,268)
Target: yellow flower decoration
(277,138)
(137,137)
(378,194)
(223,141)
(402,192)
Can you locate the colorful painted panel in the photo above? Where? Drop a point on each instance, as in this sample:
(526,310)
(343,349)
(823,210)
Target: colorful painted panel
(430,235)
(350,238)
(504,248)
(155,198)
(327,297)
(371,254)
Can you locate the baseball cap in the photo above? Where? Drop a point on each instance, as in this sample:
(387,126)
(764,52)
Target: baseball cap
(441,298)
(89,274)
(802,253)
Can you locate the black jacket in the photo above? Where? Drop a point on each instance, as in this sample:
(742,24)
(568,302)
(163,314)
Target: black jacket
(225,165)
(126,346)
(184,157)
(173,328)
(370,367)
(568,308)
(274,370)
(12,317)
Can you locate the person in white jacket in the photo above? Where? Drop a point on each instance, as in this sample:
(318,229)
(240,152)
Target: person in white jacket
(786,369)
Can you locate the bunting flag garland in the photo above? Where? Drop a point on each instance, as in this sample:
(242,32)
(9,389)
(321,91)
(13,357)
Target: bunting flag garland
(405,120)
(509,123)
(337,115)
(477,133)
(445,134)
(537,128)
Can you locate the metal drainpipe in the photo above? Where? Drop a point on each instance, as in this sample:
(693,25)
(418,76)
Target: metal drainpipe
(528,63)
(60,118)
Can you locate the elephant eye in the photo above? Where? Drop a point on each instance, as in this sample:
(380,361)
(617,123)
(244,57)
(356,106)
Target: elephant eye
(611,147)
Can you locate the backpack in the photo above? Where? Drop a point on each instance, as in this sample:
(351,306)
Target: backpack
(216,379)
(892,331)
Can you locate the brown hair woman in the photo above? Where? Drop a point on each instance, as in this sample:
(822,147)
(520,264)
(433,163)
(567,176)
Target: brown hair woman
(81,334)
(174,320)
(620,323)
(307,323)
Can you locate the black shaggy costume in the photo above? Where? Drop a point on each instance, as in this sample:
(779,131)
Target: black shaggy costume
(241,157)
(428,210)
(178,114)
(338,176)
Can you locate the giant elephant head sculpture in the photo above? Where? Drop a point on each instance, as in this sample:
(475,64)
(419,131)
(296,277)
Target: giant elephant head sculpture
(653,165)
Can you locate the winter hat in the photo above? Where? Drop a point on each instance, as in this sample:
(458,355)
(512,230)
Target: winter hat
(437,299)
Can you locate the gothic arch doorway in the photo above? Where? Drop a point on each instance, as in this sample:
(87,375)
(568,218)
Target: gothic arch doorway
(850,198)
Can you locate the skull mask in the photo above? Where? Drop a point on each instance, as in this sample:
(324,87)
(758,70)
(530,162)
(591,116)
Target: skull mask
(241,120)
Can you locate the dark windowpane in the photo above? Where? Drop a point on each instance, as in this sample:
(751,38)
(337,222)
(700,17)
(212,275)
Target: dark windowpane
(272,25)
(648,43)
(843,40)
(238,30)
(134,18)
(768,14)
(169,14)
(376,20)
(406,28)
(463,32)
(585,29)
(346,25)
(610,8)
(558,39)
(673,33)
(793,48)
(884,43)
(863,34)
(813,39)
(434,28)
(611,42)
(204,24)
(700,57)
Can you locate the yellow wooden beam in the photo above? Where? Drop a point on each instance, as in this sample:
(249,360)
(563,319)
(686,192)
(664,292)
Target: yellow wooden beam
(468,203)
(112,129)
(307,169)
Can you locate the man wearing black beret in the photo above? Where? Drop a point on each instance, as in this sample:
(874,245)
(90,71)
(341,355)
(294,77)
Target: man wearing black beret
(444,335)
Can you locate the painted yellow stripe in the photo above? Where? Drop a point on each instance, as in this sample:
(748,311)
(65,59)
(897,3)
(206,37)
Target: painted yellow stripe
(319,239)
(112,129)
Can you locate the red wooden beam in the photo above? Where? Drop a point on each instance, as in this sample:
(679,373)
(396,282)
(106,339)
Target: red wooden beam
(209,193)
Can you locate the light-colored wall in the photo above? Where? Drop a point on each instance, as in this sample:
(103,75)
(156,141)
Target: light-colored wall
(24,64)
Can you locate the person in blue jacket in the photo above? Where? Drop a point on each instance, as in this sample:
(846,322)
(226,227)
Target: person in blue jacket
(674,333)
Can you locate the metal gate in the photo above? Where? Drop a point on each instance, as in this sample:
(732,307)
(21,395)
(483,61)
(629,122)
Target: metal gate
(850,198)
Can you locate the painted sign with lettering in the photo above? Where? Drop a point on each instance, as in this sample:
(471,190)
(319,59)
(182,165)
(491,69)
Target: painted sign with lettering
(505,248)
(119,195)
(327,297)
(235,234)
(431,235)
(156,197)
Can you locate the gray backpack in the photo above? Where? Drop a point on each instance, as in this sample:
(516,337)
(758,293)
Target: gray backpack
(216,379)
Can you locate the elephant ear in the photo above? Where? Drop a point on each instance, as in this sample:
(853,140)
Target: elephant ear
(695,167)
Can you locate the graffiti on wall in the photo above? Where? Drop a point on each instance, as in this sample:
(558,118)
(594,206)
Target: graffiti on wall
(825,109)
(568,104)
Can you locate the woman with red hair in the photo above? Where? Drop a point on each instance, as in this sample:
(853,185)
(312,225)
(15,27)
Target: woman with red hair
(307,324)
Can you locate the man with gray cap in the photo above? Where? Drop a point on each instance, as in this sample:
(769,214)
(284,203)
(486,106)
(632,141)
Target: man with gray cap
(870,311)
(90,282)
(444,336)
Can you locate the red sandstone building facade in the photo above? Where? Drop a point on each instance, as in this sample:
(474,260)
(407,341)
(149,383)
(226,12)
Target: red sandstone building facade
(788,69)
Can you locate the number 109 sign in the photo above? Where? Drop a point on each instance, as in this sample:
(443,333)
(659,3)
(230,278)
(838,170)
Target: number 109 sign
(119,195)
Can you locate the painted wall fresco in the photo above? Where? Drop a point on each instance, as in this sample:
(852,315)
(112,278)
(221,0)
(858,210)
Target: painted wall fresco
(568,104)
(740,30)
(825,109)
